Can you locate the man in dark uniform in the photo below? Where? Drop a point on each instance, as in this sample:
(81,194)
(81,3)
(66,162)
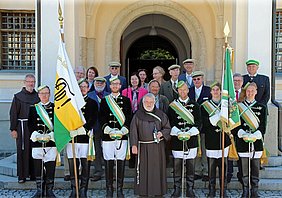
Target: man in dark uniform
(40,123)
(83,143)
(98,94)
(169,88)
(114,68)
(200,93)
(185,119)
(262,81)
(19,129)
(250,139)
(115,118)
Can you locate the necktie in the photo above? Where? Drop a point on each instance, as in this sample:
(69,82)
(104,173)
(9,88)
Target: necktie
(237,95)
(100,95)
(174,85)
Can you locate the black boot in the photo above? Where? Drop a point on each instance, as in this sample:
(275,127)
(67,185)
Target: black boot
(39,187)
(190,178)
(50,174)
(245,176)
(177,167)
(109,169)
(120,169)
(212,176)
(255,166)
(72,177)
(84,178)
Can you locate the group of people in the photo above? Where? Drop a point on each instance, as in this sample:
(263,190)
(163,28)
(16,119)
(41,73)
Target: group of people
(142,121)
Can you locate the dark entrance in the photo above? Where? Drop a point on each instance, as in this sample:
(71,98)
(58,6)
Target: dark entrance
(150,51)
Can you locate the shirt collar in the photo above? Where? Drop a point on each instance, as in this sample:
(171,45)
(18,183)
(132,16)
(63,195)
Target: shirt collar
(185,101)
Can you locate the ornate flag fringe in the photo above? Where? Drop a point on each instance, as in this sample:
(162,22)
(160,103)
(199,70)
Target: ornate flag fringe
(58,159)
(199,154)
(233,155)
(128,150)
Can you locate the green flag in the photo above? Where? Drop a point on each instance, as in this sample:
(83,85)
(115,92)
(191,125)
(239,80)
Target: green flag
(229,107)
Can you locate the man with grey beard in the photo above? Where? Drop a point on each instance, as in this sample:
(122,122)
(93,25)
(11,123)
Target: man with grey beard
(97,95)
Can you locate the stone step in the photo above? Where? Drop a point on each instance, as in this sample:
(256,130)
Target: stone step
(12,184)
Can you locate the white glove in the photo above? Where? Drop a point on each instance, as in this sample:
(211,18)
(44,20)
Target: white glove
(79,131)
(108,130)
(124,130)
(52,136)
(242,133)
(174,131)
(214,119)
(33,136)
(193,131)
(257,135)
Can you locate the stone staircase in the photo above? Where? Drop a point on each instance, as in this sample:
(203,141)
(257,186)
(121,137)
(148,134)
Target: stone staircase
(271,177)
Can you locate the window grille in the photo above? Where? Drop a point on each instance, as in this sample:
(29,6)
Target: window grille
(17,40)
(278,42)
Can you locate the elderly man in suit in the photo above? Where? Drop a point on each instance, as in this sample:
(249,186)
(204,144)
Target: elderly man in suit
(114,68)
(200,93)
(169,88)
(161,102)
(262,81)
(189,65)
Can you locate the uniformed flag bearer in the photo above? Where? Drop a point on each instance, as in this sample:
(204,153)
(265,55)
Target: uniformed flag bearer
(83,143)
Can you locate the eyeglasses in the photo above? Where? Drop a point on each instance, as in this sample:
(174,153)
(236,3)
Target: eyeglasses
(114,67)
(83,87)
(29,81)
(194,79)
(44,93)
(115,84)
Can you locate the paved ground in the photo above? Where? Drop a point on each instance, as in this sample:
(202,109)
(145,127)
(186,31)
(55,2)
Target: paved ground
(128,193)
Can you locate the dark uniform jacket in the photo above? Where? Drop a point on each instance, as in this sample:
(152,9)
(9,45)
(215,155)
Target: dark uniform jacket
(36,124)
(260,111)
(263,91)
(90,113)
(107,118)
(205,94)
(177,121)
(213,133)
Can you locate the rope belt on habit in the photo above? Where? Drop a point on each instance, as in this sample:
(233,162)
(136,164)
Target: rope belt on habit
(22,127)
(138,157)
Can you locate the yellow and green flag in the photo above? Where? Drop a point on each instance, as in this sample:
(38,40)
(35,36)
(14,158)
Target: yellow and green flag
(229,107)
(68,100)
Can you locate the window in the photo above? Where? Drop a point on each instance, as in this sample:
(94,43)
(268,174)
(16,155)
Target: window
(17,36)
(278,42)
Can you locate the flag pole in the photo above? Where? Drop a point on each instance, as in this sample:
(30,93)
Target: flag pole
(61,22)
(224,124)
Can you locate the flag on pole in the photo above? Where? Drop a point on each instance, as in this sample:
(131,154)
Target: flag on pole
(68,101)
(229,107)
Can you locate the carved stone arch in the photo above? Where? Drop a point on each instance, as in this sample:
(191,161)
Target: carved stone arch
(168,8)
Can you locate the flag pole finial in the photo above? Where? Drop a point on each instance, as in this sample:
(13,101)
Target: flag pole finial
(226,31)
(61,21)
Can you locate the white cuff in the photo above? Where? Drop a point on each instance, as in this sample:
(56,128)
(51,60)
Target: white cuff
(193,131)
(107,130)
(174,131)
(124,130)
(214,119)
(76,132)
(33,136)
(241,133)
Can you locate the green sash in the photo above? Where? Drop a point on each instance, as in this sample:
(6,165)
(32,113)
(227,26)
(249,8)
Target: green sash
(184,113)
(116,110)
(249,116)
(212,109)
(44,116)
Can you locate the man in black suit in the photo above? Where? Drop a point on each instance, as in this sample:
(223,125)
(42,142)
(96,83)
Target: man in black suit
(262,81)
(114,68)
(200,93)
(169,88)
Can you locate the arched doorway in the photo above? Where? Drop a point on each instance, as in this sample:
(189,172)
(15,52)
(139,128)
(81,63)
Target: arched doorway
(156,32)
(150,51)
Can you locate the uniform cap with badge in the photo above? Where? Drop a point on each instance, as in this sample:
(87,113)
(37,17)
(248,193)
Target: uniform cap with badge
(197,73)
(252,62)
(114,64)
(173,67)
(189,60)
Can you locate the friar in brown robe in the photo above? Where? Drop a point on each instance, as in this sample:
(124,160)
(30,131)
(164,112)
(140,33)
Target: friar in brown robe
(149,130)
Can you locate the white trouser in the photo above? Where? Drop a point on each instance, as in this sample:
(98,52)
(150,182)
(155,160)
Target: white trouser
(46,154)
(81,150)
(112,149)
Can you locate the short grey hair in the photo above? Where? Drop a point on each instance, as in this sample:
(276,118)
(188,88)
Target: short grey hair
(29,76)
(148,95)
(237,75)
(79,68)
